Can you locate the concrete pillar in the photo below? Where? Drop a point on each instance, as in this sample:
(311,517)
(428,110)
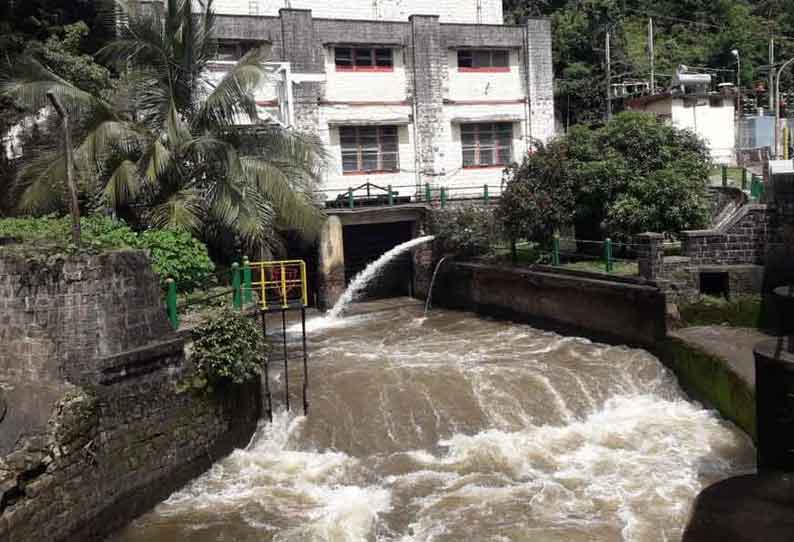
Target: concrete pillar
(303,50)
(331,276)
(650,254)
(428,69)
(540,79)
(423,262)
(774,403)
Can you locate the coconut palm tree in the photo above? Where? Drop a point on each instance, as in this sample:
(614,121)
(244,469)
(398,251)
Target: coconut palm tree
(166,146)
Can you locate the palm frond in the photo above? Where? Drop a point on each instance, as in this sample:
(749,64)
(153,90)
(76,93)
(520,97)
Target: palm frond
(123,186)
(295,208)
(184,209)
(28,82)
(231,103)
(40,183)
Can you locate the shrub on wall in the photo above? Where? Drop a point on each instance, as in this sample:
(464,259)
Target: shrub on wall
(173,253)
(227,348)
(178,255)
(465,232)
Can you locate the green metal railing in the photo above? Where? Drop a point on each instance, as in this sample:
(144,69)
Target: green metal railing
(239,293)
(369,194)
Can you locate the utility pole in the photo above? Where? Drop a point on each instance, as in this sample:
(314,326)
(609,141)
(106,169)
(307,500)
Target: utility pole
(771,88)
(652,56)
(609,79)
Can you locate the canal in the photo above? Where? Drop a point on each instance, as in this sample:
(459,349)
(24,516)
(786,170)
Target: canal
(453,427)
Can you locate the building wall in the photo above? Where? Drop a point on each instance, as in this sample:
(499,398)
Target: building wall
(715,124)
(467,11)
(98,425)
(425,94)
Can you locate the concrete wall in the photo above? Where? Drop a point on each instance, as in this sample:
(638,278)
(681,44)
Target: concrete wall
(96,428)
(470,11)
(426,95)
(713,121)
(628,312)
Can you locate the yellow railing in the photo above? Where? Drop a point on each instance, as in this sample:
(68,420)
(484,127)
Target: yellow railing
(279,284)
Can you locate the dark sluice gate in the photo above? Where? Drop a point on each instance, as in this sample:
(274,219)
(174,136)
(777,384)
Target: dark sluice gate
(366,243)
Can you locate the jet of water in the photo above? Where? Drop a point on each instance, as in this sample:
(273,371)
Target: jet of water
(360,281)
(432,282)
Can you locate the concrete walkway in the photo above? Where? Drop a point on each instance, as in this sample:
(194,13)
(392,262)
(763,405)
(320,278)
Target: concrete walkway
(734,345)
(751,508)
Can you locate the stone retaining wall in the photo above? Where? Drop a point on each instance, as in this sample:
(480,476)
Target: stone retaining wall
(99,426)
(619,310)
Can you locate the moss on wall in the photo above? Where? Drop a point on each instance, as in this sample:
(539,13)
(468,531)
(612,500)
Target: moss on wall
(740,311)
(708,379)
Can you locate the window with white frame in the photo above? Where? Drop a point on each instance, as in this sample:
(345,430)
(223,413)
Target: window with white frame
(363,59)
(487,144)
(369,149)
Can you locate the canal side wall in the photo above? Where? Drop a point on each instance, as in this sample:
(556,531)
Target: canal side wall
(622,311)
(96,424)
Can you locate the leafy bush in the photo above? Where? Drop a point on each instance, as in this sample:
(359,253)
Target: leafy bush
(227,348)
(99,232)
(173,253)
(539,196)
(631,175)
(465,232)
(178,255)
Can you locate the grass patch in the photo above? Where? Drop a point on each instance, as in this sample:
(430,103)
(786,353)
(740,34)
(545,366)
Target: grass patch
(739,311)
(625,269)
(734,176)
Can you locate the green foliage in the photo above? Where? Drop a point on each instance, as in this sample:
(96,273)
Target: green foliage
(538,198)
(465,232)
(631,175)
(63,55)
(173,253)
(694,33)
(227,348)
(163,149)
(178,255)
(739,311)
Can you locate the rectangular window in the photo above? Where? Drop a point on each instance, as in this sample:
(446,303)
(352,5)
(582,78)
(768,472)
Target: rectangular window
(369,149)
(363,59)
(487,145)
(229,50)
(487,60)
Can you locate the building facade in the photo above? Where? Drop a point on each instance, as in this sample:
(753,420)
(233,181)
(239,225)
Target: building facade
(401,92)
(690,104)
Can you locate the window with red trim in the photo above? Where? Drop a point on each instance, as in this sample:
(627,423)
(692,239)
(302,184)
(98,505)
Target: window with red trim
(369,149)
(497,60)
(486,145)
(363,59)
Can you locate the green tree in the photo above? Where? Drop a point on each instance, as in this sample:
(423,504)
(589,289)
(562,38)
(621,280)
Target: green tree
(630,175)
(539,197)
(169,149)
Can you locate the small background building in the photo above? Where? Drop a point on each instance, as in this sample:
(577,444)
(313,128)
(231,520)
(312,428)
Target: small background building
(691,104)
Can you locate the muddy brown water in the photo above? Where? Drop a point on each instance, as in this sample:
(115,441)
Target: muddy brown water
(452,428)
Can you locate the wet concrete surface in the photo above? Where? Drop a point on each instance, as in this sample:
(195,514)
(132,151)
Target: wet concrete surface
(752,508)
(734,345)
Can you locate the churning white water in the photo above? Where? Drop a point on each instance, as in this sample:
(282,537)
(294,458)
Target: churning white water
(369,273)
(453,428)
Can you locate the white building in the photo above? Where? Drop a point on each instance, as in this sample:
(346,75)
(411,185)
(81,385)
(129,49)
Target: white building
(402,92)
(690,105)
